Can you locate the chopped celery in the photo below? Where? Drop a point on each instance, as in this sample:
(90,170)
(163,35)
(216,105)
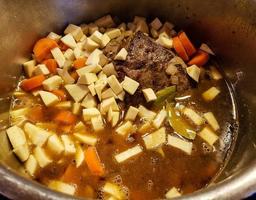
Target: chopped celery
(179,125)
(167,93)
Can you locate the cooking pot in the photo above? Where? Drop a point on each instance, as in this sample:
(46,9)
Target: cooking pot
(229,27)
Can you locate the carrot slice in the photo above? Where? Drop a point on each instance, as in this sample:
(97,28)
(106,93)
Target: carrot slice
(63,47)
(43,47)
(65,117)
(32,83)
(36,114)
(61,94)
(51,64)
(72,174)
(187,44)
(179,48)
(93,162)
(78,63)
(200,58)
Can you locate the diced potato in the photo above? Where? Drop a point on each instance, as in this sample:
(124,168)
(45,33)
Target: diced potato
(171,69)
(130,85)
(94,57)
(146,127)
(97,123)
(76,108)
(212,121)
(89,101)
(121,55)
(114,33)
(146,114)
(62,187)
(54,36)
(155,139)
(67,78)
(48,98)
(52,83)
(125,129)
(89,69)
(18,116)
(131,113)
(142,26)
(41,69)
(69,145)
(173,192)
(79,156)
(193,116)
(206,48)
(180,144)
(69,54)
(154,33)
(123,156)
(208,135)
(55,145)
(194,72)
(29,67)
(79,127)
(103,60)
(159,119)
(90,45)
(215,74)
(96,37)
(87,78)
(32,166)
(98,89)
(16,136)
(121,95)
(37,136)
(75,31)
(63,105)
(77,52)
(58,56)
(105,39)
(42,158)
(149,94)
(113,117)
(114,84)
(105,21)
(92,89)
(156,24)
(108,93)
(89,113)
(69,41)
(86,139)
(22,152)
(210,94)
(109,69)
(76,91)
(114,190)
(108,103)
(165,41)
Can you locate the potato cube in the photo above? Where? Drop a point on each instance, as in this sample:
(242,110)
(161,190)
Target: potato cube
(108,93)
(69,41)
(180,144)
(121,55)
(94,57)
(193,116)
(106,104)
(105,21)
(114,33)
(54,36)
(103,60)
(159,119)
(131,113)
(171,69)
(89,69)
(86,139)
(48,98)
(90,45)
(109,69)
(115,118)
(146,114)
(123,156)
(89,101)
(142,26)
(42,158)
(69,145)
(16,136)
(114,84)
(149,94)
(194,72)
(55,145)
(79,156)
(67,78)
(32,166)
(130,85)
(210,118)
(75,31)
(97,123)
(76,91)
(58,56)
(89,113)
(154,33)
(87,78)
(206,48)
(156,24)
(208,135)
(96,37)
(52,83)
(92,89)
(77,52)
(22,152)
(29,67)
(105,39)
(155,139)
(165,41)
(41,69)
(62,187)
(76,108)
(121,96)
(210,94)
(125,129)
(98,89)
(172,193)
(215,74)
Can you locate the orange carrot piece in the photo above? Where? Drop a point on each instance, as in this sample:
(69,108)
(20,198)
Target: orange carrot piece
(61,94)
(72,174)
(43,47)
(51,64)
(187,44)
(32,83)
(36,114)
(180,49)
(65,128)
(78,63)
(74,75)
(93,162)
(200,58)
(65,117)
(62,46)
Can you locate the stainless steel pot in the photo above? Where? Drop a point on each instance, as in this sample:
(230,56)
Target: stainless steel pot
(228,26)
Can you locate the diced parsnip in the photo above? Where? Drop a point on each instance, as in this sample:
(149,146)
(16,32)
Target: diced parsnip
(97,123)
(123,156)
(114,33)
(42,158)
(18,116)
(16,136)
(193,116)
(105,21)
(208,135)
(109,69)
(92,89)
(156,24)
(79,127)
(215,74)
(55,145)
(146,127)
(63,105)
(87,78)
(121,55)
(105,39)
(165,41)
(131,113)
(102,76)
(89,101)
(63,73)
(96,37)
(155,139)
(173,192)
(121,95)
(94,57)
(210,94)
(114,190)
(69,54)
(194,72)
(52,83)
(180,144)
(76,108)
(146,114)
(79,156)
(108,93)
(149,94)
(130,85)
(210,118)
(103,60)
(90,45)
(113,117)
(86,139)
(76,91)
(108,103)
(98,89)
(69,41)
(114,84)
(75,31)
(89,69)
(176,60)
(48,98)
(206,48)
(77,52)
(41,69)
(22,152)
(69,145)
(37,136)
(89,113)
(142,26)
(31,165)
(125,129)
(159,119)
(154,33)
(58,56)
(54,36)
(29,67)
(62,187)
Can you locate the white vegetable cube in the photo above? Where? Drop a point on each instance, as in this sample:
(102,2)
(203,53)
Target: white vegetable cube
(114,33)
(63,73)
(77,52)
(48,98)
(52,83)
(98,89)
(125,129)
(79,156)
(89,101)
(96,37)
(58,56)
(105,39)
(16,136)
(22,152)
(76,91)
(69,41)
(114,84)
(149,94)
(69,145)
(42,158)
(32,166)
(90,45)
(108,93)
(180,144)
(105,21)
(208,135)
(130,85)
(121,55)
(210,118)
(159,119)
(89,69)
(91,88)
(41,69)
(103,60)
(69,54)
(62,187)
(94,57)
(206,48)
(29,67)
(210,94)
(132,113)
(121,95)
(76,31)
(193,116)
(76,108)
(63,105)
(155,139)
(97,123)
(113,117)
(109,69)
(215,74)
(194,72)
(123,156)
(172,193)
(89,113)
(113,190)
(86,139)
(165,41)
(54,145)
(146,114)
(54,36)
(106,104)
(156,24)
(88,78)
